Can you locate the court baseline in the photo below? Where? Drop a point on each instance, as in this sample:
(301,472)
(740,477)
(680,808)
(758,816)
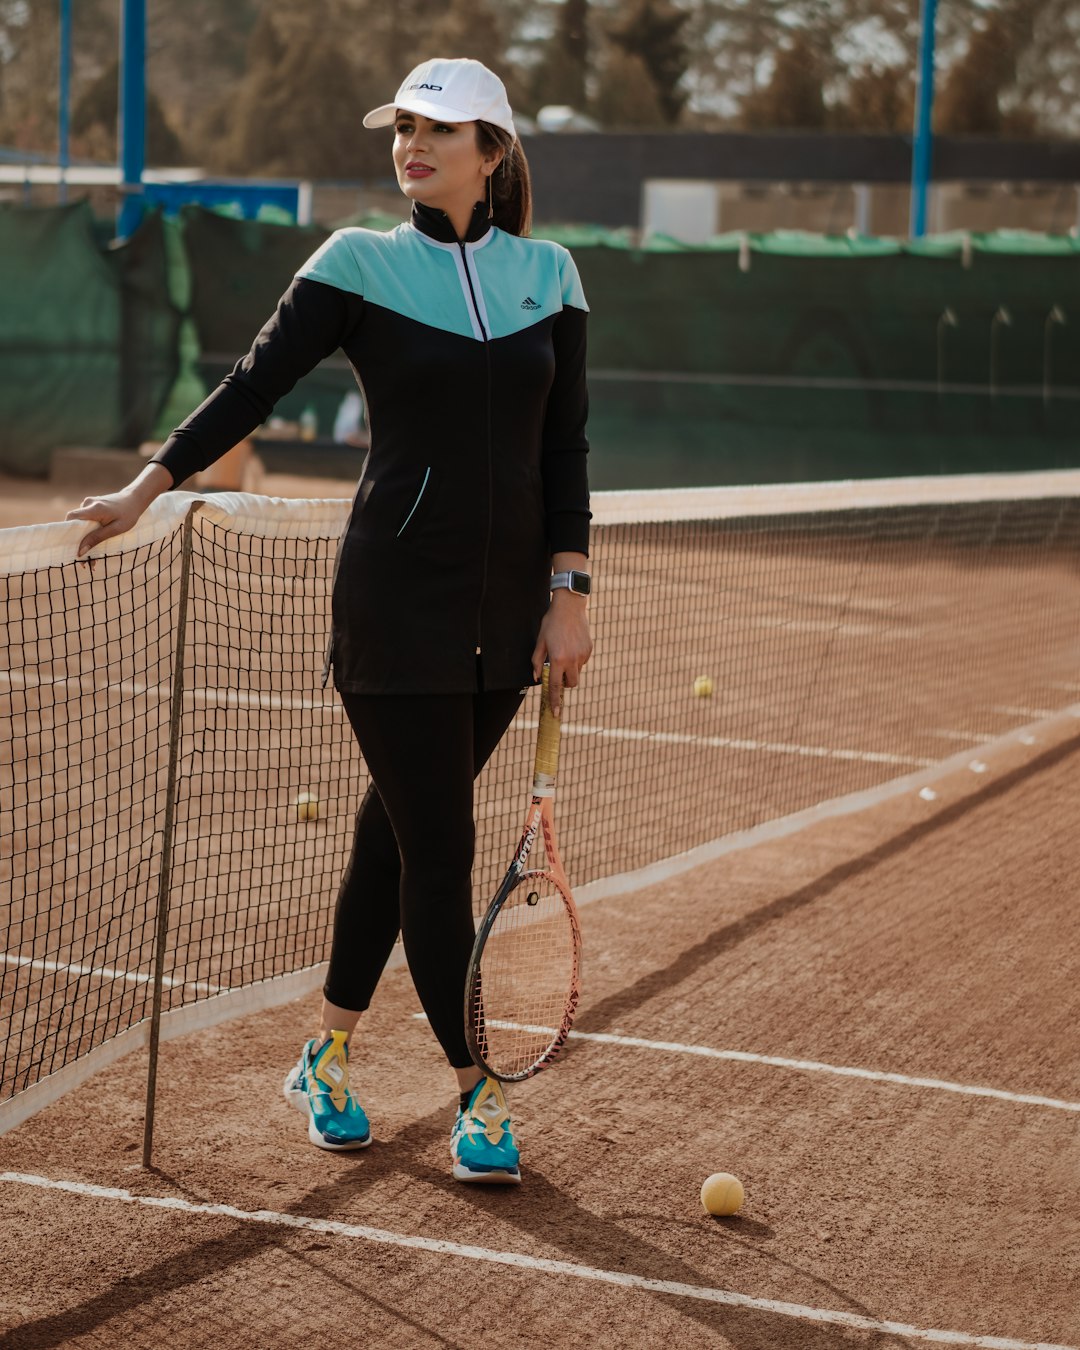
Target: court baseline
(803,1065)
(541,1265)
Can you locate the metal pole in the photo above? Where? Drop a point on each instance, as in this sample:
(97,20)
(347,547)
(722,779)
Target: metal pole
(1056,315)
(1001,317)
(164,876)
(862,208)
(63,155)
(922,151)
(947,319)
(132,129)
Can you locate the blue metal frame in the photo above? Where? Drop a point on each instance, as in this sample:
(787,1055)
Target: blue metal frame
(132,130)
(64,116)
(922,152)
(247,196)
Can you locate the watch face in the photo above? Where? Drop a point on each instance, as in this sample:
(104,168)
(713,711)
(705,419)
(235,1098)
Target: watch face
(580,582)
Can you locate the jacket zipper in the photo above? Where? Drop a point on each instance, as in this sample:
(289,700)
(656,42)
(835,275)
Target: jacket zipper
(490,504)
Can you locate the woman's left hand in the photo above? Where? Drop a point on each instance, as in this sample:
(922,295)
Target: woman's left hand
(564,643)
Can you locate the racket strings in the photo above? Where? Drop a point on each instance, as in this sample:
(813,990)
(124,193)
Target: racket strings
(529,961)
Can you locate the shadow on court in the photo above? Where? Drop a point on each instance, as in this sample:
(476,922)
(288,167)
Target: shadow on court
(548,1214)
(280,1314)
(277,1317)
(610,1011)
(228,1281)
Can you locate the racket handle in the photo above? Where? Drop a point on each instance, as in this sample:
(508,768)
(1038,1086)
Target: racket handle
(546,764)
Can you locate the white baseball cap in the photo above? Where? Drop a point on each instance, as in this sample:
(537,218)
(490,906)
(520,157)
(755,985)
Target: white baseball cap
(449,91)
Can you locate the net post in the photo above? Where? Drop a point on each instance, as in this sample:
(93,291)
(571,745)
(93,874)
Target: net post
(162,921)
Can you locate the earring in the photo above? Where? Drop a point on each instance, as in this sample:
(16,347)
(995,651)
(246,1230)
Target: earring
(491,202)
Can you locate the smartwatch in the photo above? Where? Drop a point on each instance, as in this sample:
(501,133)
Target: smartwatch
(578,582)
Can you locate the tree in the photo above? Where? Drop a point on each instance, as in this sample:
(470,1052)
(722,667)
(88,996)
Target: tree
(1047,85)
(626,97)
(970,102)
(94,122)
(475,28)
(28,64)
(560,76)
(297,111)
(194,50)
(29,81)
(469,28)
(632,62)
(390,38)
(794,96)
(877,100)
(651,31)
(734,44)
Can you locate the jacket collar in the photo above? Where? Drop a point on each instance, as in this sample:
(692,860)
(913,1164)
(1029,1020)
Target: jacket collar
(436,224)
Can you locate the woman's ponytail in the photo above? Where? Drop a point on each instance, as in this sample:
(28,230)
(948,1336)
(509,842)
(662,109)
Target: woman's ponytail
(510,185)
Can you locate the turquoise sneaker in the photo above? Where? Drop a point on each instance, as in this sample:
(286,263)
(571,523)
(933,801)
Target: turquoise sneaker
(318,1085)
(481,1144)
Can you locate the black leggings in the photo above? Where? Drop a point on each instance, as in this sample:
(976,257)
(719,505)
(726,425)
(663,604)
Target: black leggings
(411,864)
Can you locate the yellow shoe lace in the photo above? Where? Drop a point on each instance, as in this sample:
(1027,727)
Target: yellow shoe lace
(331,1068)
(489,1111)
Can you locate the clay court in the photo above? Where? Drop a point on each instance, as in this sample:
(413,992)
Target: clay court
(867,1011)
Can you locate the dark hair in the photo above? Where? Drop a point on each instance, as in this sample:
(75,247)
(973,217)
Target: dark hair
(511,187)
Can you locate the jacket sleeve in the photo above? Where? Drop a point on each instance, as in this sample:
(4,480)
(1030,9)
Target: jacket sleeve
(311,321)
(565,445)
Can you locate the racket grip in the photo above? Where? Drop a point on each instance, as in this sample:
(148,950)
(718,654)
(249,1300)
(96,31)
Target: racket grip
(546,764)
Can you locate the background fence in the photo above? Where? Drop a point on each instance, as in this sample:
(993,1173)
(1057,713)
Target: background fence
(755,358)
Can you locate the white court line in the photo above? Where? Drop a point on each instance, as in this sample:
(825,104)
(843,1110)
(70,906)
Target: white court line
(233,698)
(237,698)
(807,1065)
(106,973)
(199,1015)
(972,737)
(833,808)
(778,1062)
(1007,710)
(214,698)
(731,743)
(542,1265)
(274,991)
(834,629)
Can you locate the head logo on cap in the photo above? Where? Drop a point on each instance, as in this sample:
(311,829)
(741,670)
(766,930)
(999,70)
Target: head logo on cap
(449,91)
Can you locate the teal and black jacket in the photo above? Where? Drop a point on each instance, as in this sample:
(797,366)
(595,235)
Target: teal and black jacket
(471,357)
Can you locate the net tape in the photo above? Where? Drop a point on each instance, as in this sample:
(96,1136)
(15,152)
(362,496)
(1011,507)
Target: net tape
(851,633)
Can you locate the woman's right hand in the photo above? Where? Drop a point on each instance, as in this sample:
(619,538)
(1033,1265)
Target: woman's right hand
(118,512)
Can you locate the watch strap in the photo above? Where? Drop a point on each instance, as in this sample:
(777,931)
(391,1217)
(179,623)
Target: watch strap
(578,582)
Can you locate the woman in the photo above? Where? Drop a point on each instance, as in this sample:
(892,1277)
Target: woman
(463,566)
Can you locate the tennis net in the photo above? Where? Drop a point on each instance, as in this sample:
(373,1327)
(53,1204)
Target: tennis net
(758,651)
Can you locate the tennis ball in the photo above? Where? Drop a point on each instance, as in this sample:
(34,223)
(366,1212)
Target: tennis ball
(722,1193)
(703,686)
(307,806)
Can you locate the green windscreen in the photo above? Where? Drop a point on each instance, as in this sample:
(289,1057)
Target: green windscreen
(88,334)
(754,358)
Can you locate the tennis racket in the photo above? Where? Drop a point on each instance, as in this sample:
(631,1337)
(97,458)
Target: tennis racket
(523,984)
